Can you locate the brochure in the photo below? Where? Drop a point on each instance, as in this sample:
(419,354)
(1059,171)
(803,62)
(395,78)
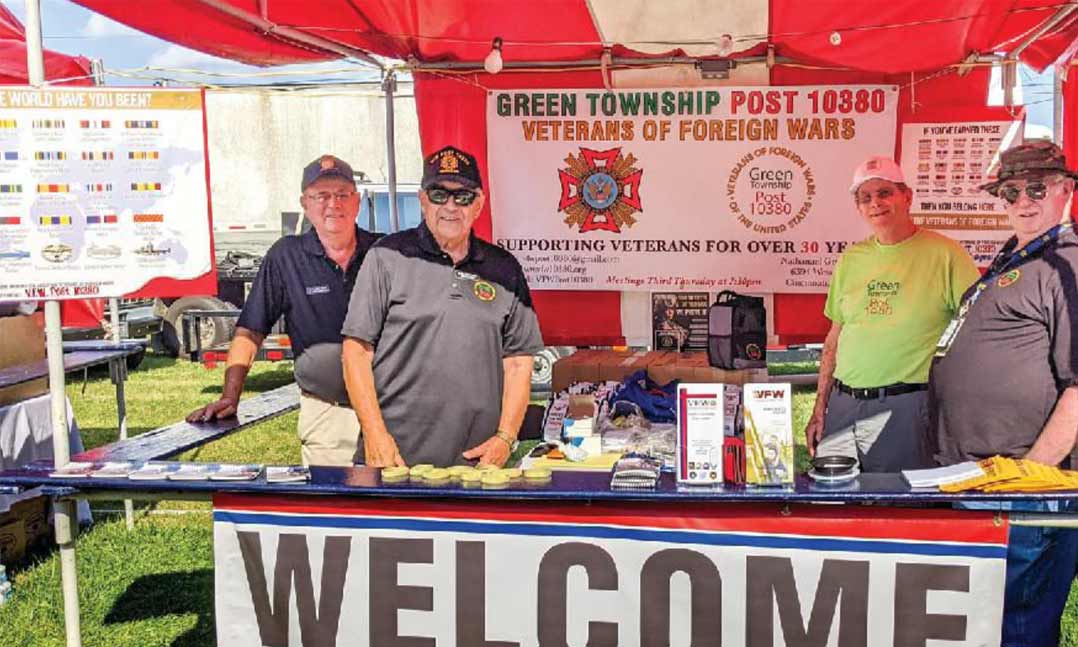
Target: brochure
(769,441)
(193,472)
(153,471)
(113,470)
(700,436)
(227,472)
(287,473)
(73,470)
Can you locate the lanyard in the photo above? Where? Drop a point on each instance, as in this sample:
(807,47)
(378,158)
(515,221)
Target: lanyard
(1007,260)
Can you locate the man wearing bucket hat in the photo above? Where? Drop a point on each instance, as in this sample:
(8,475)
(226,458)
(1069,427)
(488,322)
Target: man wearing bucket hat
(1005,377)
(307,279)
(890,297)
(440,333)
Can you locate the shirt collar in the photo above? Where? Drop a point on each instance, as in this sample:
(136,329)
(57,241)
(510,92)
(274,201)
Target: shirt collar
(313,245)
(429,245)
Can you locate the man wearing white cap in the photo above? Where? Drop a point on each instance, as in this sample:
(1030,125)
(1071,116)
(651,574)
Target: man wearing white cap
(891,295)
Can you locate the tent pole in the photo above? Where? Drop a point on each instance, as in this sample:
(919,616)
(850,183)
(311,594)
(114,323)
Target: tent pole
(1057,106)
(291,33)
(35,57)
(64,512)
(389,85)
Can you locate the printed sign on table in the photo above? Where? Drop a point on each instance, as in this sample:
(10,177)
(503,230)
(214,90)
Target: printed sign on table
(679,321)
(101,190)
(325,571)
(682,189)
(945,165)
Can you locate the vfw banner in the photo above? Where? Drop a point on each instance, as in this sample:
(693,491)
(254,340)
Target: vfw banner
(682,189)
(323,571)
(101,190)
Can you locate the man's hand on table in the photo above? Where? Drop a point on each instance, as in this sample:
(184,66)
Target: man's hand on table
(493,451)
(380,450)
(223,408)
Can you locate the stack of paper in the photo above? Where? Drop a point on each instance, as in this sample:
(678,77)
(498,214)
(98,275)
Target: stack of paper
(153,471)
(996,474)
(287,473)
(73,470)
(943,475)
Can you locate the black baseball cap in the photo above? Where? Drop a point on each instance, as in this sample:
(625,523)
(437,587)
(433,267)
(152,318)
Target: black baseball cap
(1029,161)
(451,164)
(326,166)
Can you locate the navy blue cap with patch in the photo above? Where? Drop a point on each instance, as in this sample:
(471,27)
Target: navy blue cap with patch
(326,166)
(451,164)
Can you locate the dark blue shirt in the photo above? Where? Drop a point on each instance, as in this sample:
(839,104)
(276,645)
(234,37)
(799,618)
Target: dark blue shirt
(299,282)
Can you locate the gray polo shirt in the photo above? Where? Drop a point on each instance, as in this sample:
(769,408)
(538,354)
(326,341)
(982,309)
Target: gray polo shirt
(440,333)
(1016,352)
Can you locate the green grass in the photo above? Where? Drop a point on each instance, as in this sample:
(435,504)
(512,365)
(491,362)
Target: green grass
(154,585)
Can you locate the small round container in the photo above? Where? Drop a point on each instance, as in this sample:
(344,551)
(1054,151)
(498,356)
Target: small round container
(834,466)
(537,475)
(495,479)
(418,471)
(394,474)
(436,476)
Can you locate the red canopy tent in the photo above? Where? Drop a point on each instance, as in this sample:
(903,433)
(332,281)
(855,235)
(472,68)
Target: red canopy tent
(68,70)
(914,44)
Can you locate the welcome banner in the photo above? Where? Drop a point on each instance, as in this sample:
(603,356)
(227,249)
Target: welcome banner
(682,189)
(372,572)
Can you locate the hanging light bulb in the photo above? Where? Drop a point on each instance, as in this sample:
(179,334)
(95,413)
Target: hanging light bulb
(493,62)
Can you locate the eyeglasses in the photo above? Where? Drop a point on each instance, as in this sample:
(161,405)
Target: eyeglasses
(865,197)
(1035,191)
(325,198)
(461,197)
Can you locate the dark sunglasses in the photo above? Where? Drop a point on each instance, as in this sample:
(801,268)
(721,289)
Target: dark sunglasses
(441,195)
(1035,191)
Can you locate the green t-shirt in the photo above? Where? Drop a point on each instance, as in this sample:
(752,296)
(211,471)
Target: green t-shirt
(893,302)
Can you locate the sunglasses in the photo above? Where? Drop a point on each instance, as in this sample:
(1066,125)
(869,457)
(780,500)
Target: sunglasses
(1035,191)
(441,195)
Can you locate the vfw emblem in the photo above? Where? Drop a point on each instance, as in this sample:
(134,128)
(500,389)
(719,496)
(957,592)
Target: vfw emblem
(600,190)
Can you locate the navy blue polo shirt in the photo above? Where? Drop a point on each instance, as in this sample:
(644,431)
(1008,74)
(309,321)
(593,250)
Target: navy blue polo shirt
(298,281)
(440,332)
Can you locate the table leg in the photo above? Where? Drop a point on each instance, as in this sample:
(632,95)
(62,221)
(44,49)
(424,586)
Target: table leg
(118,369)
(64,519)
(119,376)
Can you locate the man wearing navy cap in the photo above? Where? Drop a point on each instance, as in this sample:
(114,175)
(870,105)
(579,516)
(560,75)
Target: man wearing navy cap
(440,333)
(1005,377)
(307,279)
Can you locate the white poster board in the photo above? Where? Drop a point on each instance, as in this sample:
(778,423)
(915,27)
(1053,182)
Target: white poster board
(945,165)
(101,190)
(682,189)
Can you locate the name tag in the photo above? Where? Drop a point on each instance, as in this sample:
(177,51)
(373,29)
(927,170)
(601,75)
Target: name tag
(949,333)
(317,289)
(467,276)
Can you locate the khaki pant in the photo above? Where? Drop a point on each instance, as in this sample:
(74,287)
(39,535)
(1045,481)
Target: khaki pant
(328,433)
(884,434)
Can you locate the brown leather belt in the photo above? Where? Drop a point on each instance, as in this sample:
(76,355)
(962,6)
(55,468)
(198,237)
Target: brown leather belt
(879,392)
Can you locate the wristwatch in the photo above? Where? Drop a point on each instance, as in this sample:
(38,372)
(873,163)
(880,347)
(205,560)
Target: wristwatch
(508,440)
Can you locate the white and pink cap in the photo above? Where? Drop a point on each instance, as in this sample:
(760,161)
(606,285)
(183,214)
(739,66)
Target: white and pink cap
(877,168)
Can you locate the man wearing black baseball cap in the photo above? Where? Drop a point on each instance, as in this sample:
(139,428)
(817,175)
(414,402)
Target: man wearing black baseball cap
(308,280)
(1005,377)
(440,333)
